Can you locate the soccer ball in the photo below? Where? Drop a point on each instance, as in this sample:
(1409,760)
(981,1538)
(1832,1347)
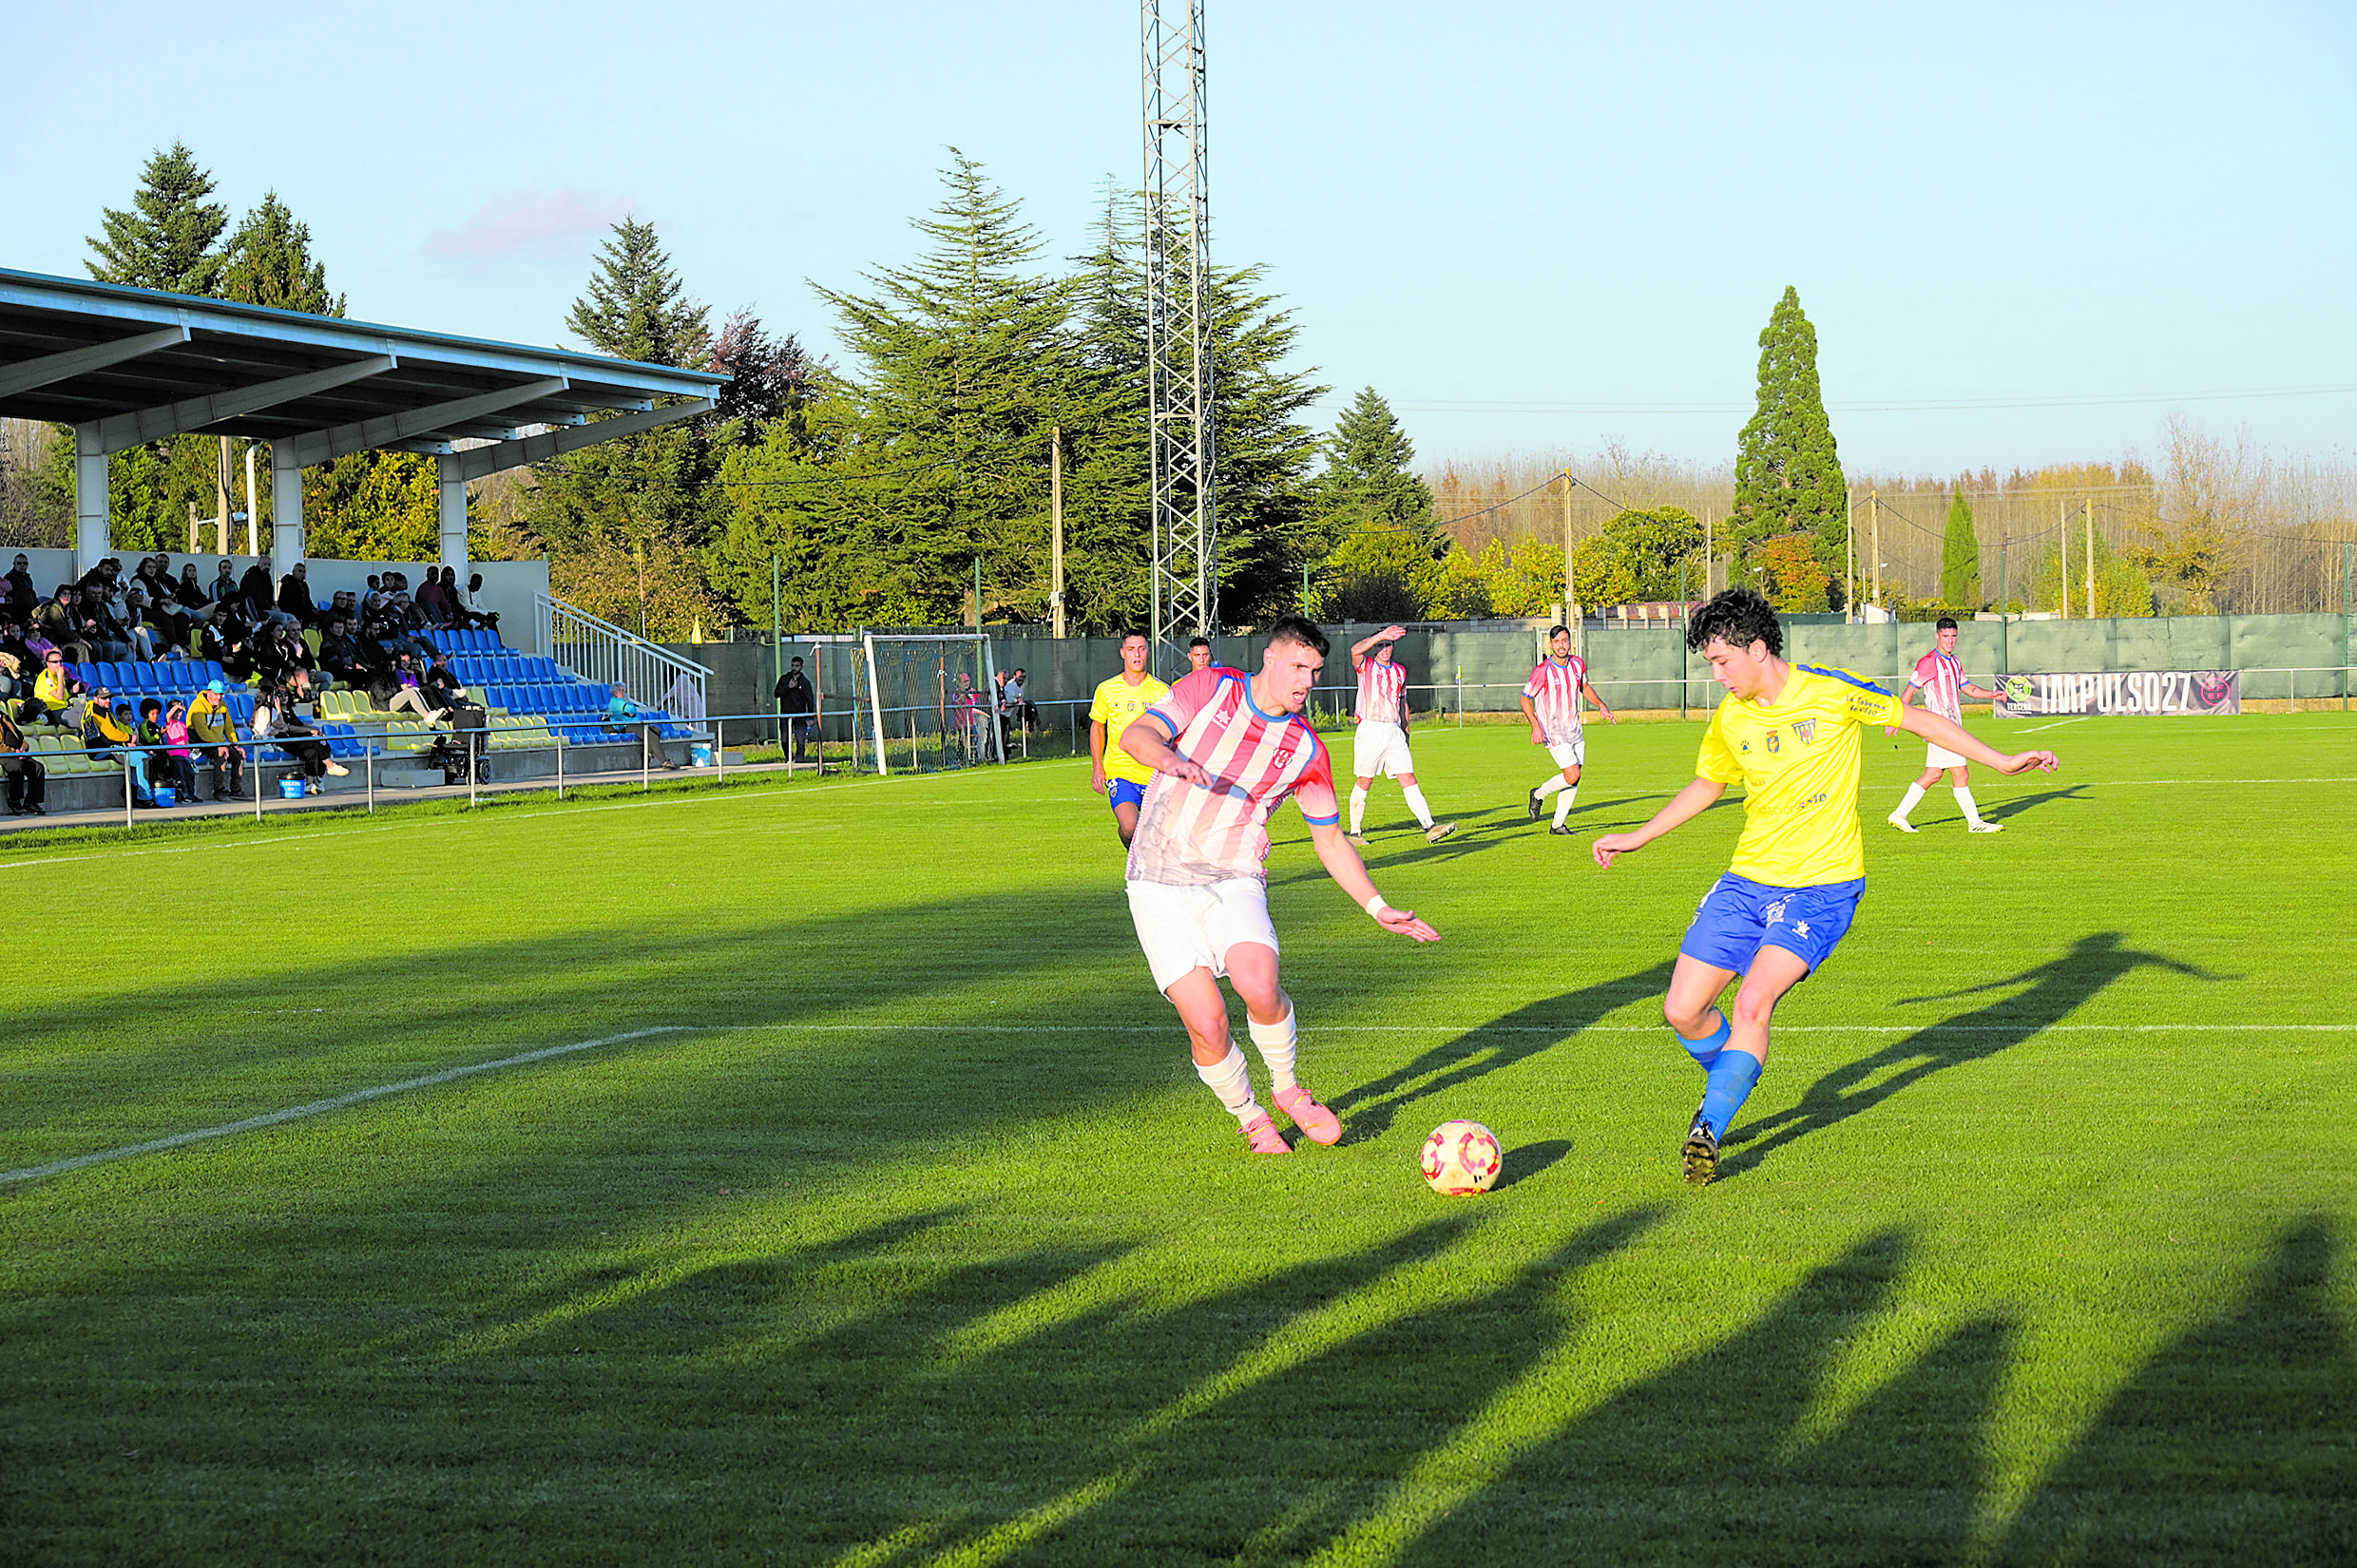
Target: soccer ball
(1461,1158)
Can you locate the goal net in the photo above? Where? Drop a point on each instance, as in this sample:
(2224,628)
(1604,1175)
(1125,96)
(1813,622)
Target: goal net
(933,700)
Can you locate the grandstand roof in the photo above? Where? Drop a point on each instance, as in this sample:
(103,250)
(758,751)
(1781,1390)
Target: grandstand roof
(130,366)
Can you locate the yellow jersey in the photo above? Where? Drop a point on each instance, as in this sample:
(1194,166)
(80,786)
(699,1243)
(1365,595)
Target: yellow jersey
(1116,706)
(1797,761)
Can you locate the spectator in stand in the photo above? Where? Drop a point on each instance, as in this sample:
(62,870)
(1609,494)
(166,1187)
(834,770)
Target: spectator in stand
(102,735)
(153,577)
(155,759)
(53,694)
(23,596)
(295,598)
(339,655)
(178,752)
(228,640)
(224,587)
(1027,713)
(443,687)
(798,704)
(136,630)
(14,688)
(433,605)
(408,691)
(472,613)
(275,725)
(60,622)
(215,731)
(29,782)
(96,625)
(280,650)
(261,596)
(623,715)
(189,598)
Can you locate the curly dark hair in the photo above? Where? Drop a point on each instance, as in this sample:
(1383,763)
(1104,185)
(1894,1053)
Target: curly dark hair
(1738,618)
(1293,628)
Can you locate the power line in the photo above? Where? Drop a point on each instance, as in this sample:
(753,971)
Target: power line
(1891,405)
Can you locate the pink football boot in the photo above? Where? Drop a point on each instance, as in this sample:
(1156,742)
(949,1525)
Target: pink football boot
(1321,1124)
(1265,1140)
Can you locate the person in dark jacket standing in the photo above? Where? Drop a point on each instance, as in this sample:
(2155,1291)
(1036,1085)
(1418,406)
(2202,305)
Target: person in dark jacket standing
(797,705)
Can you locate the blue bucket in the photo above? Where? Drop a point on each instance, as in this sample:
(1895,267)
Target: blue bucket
(700,754)
(290,788)
(166,797)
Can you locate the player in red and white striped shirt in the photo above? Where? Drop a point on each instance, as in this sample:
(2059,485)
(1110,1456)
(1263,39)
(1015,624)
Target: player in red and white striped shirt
(1226,750)
(1551,702)
(1381,745)
(1939,679)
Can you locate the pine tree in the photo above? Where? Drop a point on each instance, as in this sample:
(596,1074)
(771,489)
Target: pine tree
(1383,551)
(1788,473)
(166,240)
(1960,557)
(647,496)
(268,262)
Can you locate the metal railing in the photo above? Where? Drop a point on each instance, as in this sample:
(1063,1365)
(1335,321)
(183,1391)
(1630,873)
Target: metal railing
(597,650)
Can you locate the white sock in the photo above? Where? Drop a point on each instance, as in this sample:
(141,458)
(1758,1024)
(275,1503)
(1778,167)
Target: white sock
(1964,799)
(1554,782)
(1914,795)
(1276,1043)
(1563,803)
(1358,808)
(1415,794)
(1231,1080)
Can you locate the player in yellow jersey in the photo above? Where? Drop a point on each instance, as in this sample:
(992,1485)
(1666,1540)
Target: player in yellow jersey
(1113,773)
(1789,734)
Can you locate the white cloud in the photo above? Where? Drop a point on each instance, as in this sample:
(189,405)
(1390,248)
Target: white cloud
(531,223)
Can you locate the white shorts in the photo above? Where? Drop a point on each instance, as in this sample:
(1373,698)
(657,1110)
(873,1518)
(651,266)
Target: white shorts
(1940,756)
(1574,754)
(1380,748)
(1183,929)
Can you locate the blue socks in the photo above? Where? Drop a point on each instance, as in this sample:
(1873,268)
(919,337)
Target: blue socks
(1705,1050)
(1733,1074)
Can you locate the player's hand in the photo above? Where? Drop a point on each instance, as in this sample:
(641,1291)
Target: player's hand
(1392,634)
(1610,845)
(1097,780)
(1179,767)
(1404,923)
(1536,738)
(1611,717)
(2045,762)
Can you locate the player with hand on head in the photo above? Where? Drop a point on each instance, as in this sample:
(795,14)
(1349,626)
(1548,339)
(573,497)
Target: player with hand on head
(1551,700)
(1940,679)
(1790,735)
(1226,751)
(1380,745)
(1112,772)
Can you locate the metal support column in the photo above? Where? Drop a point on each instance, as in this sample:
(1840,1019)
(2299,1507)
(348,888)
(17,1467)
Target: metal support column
(454,514)
(286,513)
(1183,460)
(91,507)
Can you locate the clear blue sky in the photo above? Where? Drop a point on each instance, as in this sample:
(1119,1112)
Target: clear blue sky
(1535,208)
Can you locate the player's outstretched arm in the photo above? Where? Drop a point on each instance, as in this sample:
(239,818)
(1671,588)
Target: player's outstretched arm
(1684,807)
(1349,873)
(1365,645)
(1593,696)
(1942,732)
(1145,741)
(1905,698)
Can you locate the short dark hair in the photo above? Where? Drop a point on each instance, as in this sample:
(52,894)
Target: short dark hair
(1947,623)
(1558,629)
(1199,641)
(1738,618)
(1135,632)
(795,660)
(1293,628)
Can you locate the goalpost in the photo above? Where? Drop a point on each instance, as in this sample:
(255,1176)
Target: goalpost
(941,684)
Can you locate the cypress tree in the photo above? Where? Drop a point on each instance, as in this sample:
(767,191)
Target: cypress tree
(1788,473)
(1960,557)
(637,308)
(268,262)
(166,240)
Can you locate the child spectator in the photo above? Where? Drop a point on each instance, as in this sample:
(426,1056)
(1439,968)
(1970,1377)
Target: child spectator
(29,782)
(215,731)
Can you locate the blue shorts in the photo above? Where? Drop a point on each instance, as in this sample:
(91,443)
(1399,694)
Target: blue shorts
(1123,791)
(1739,917)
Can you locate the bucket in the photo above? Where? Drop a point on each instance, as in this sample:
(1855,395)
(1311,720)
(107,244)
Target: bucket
(290,788)
(166,797)
(700,754)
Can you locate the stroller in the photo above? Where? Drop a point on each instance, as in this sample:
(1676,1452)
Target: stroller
(464,747)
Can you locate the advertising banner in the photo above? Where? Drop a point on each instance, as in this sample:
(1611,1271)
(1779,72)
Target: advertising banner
(2163,692)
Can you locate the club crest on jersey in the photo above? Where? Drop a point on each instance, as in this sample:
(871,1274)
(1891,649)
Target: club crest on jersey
(1806,729)
(1773,739)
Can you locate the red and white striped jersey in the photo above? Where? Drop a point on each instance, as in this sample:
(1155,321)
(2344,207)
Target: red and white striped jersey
(1554,693)
(1381,684)
(1188,835)
(1942,681)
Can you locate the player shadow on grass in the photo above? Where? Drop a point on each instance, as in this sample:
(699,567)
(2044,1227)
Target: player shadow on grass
(1368,1110)
(2236,1442)
(2055,990)
(2019,803)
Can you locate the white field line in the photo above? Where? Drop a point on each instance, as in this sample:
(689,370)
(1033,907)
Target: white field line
(2056,725)
(356,1097)
(317,1107)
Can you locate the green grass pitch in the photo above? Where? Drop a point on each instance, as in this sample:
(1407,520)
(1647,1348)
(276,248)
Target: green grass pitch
(885,1222)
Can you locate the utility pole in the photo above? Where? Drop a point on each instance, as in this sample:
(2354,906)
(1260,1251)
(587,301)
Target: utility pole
(776,626)
(220,497)
(1850,554)
(2063,551)
(253,511)
(2088,502)
(1874,534)
(1054,527)
(1571,604)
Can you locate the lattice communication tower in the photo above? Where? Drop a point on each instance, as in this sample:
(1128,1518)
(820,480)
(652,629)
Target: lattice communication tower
(1183,462)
